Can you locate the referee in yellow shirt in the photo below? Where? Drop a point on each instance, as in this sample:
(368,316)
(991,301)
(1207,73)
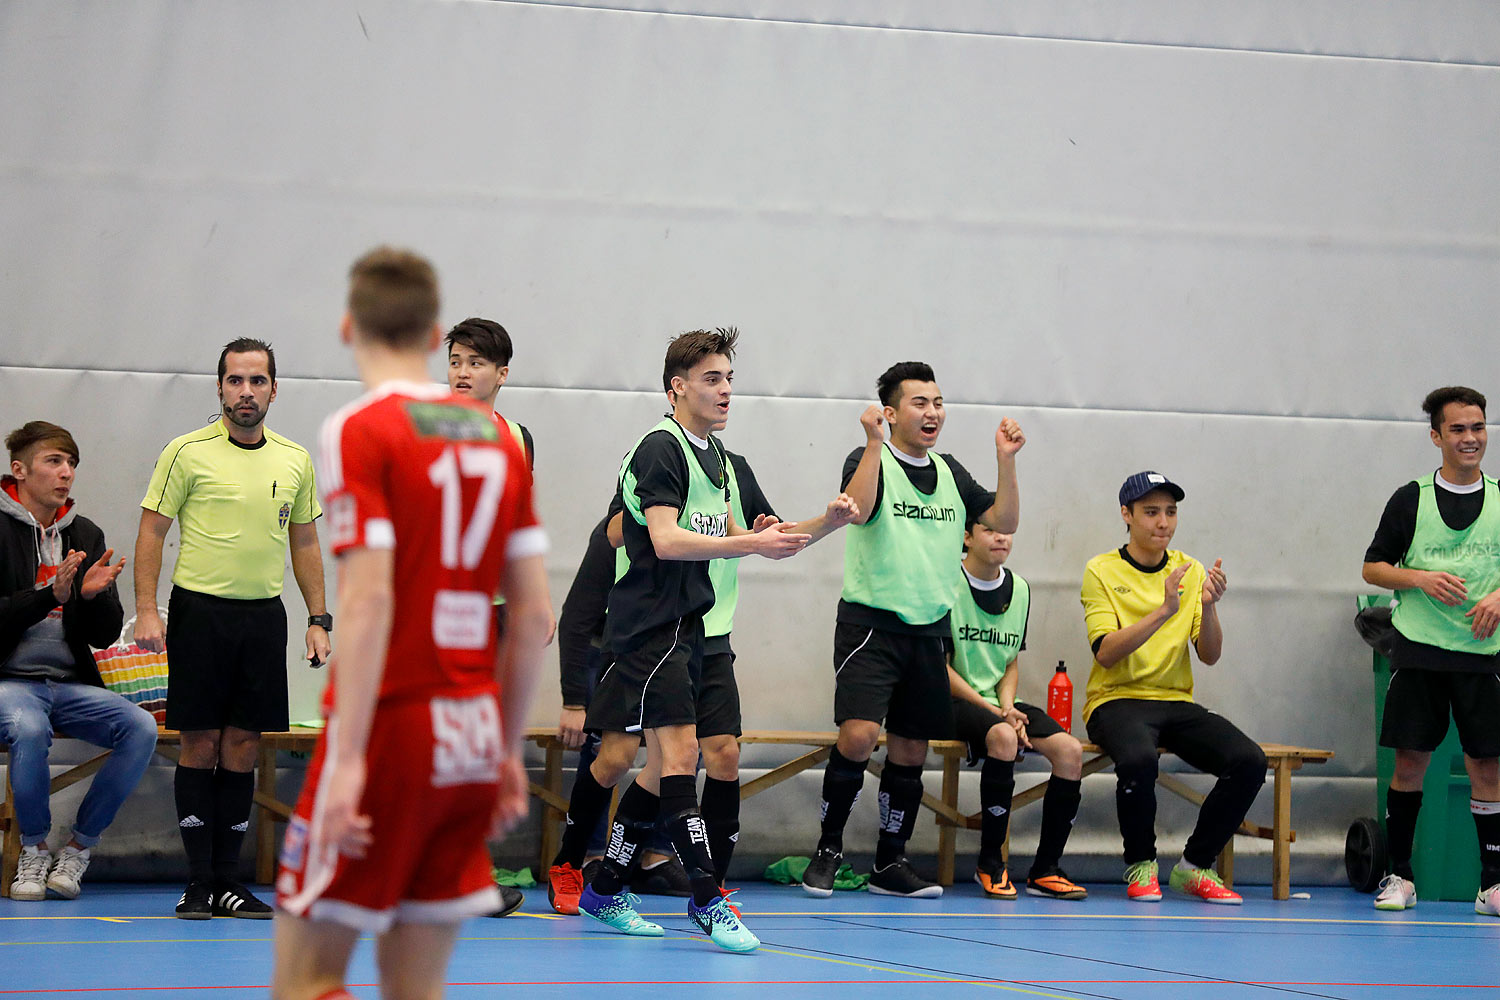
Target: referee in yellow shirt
(1144,604)
(240,493)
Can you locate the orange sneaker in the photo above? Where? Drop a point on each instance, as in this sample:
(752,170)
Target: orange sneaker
(1055,884)
(728,895)
(1203,883)
(564,886)
(1141,885)
(995,881)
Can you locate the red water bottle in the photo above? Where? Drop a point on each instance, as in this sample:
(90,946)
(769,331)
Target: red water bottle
(1060,698)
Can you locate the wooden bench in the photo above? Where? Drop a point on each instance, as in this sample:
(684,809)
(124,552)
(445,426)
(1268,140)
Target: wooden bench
(1281,760)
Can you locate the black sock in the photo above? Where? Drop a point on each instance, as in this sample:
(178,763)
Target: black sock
(900,798)
(588,802)
(997,785)
(1487,823)
(194,791)
(721,814)
(842,780)
(679,811)
(633,823)
(1059,809)
(234,793)
(1401,810)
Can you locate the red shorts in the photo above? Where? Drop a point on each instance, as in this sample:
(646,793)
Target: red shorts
(430,792)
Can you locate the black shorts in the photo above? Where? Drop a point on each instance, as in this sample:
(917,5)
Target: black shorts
(1418,704)
(226,663)
(718,697)
(653,685)
(894,678)
(972,724)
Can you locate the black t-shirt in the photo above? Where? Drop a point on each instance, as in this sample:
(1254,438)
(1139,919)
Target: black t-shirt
(1398,526)
(976,501)
(654,591)
(580,626)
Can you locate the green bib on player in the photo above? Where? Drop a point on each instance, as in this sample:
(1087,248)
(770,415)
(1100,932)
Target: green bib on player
(985,644)
(901,560)
(724,574)
(515,432)
(1473,554)
(705,512)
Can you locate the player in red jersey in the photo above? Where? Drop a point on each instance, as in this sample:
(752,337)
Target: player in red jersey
(431,514)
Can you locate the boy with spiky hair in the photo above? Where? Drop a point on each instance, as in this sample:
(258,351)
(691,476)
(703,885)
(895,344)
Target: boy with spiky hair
(479,353)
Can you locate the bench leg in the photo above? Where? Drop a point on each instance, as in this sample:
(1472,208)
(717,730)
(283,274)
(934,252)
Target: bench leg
(947,836)
(265,826)
(552,817)
(1281,829)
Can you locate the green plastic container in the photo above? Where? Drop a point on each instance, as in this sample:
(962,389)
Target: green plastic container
(1445,858)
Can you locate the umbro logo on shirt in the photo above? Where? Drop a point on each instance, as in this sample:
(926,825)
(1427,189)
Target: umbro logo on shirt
(1121,589)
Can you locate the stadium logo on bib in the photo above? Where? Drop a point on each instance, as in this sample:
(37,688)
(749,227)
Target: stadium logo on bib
(713,525)
(924,512)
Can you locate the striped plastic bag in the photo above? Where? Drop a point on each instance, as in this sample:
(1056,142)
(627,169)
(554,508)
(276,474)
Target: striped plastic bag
(136,674)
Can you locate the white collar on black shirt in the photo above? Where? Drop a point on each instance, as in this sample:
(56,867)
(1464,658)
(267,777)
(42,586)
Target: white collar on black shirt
(979,584)
(698,442)
(910,459)
(1474,487)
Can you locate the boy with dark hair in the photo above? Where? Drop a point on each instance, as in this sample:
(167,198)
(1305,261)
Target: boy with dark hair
(1436,547)
(893,618)
(58,598)
(984,673)
(430,515)
(675,490)
(1144,604)
(479,353)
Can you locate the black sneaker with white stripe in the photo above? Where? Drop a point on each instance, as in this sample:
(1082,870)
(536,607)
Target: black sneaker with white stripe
(233,900)
(197,902)
(898,879)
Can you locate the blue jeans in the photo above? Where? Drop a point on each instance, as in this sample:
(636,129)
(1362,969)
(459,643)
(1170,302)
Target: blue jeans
(31,709)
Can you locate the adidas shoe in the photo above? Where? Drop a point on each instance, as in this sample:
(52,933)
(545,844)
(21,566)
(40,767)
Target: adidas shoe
(197,902)
(1488,901)
(1397,893)
(564,884)
(233,900)
(1141,884)
(30,883)
(723,926)
(818,879)
(994,879)
(1055,884)
(898,879)
(67,872)
(617,912)
(510,901)
(1203,883)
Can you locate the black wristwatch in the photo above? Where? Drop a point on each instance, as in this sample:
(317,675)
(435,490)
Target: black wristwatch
(325,620)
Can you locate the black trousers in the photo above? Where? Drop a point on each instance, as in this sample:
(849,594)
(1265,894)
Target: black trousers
(1130,731)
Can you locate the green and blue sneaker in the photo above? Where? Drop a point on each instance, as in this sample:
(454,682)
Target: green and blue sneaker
(719,921)
(617,912)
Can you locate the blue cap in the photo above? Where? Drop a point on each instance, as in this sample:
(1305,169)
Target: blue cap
(1142,483)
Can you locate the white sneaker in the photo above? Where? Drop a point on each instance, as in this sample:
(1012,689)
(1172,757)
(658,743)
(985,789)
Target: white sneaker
(31,875)
(1396,893)
(67,872)
(1488,901)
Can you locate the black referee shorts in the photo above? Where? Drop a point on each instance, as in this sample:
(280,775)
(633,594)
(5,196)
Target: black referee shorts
(226,663)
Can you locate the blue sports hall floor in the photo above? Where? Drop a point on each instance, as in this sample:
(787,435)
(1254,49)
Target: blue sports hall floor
(122,941)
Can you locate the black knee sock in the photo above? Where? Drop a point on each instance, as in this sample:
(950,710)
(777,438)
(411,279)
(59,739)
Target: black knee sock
(589,801)
(997,785)
(679,811)
(194,792)
(900,798)
(1487,823)
(1401,810)
(633,823)
(842,780)
(234,793)
(721,814)
(1059,809)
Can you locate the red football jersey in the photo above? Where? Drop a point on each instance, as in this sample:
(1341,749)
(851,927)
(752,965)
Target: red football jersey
(425,472)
